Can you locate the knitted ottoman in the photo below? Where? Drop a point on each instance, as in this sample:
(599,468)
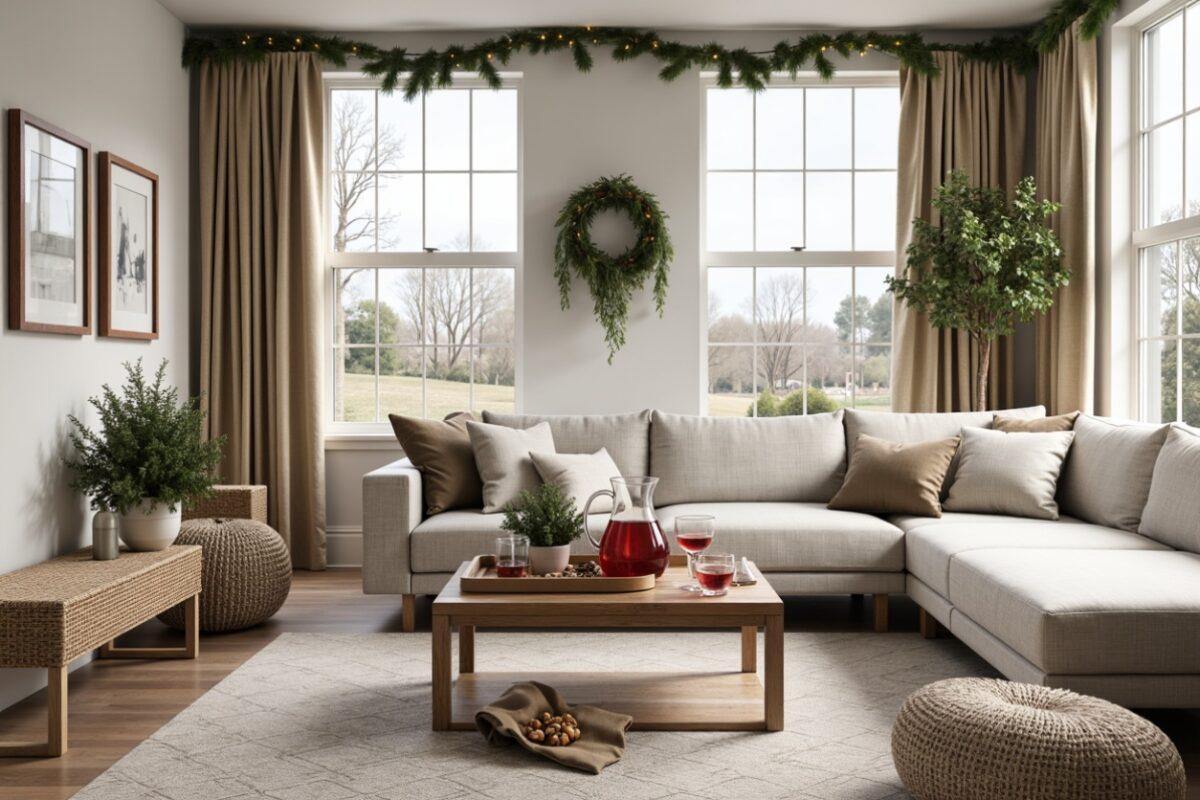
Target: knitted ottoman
(246,575)
(979,739)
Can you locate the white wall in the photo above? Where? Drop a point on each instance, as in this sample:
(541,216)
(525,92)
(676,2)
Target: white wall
(107,72)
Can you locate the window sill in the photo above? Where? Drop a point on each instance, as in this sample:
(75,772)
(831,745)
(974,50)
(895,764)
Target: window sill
(361,441)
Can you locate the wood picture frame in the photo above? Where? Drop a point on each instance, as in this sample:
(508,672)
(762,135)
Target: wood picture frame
(49,266)
(128,251)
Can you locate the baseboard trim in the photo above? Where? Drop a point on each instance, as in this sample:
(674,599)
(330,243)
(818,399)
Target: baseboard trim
(343,546)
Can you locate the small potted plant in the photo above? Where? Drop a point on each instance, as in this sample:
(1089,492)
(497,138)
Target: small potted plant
(551,521)
(147,460)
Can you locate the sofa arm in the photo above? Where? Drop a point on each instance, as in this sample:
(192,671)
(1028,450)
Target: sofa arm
(392,507)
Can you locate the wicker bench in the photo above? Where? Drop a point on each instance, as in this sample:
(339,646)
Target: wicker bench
(54,612)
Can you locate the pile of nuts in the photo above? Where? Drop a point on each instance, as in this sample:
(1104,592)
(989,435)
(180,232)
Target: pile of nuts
(552,731)
(588,569)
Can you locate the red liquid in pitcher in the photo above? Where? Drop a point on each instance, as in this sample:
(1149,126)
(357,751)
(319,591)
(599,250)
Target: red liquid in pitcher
(633,547)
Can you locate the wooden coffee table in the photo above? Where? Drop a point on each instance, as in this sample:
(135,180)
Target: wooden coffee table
(664,701)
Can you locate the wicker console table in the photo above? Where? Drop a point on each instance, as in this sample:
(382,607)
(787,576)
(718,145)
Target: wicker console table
(54,612)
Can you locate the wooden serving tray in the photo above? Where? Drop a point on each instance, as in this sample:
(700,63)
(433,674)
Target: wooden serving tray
(481,577)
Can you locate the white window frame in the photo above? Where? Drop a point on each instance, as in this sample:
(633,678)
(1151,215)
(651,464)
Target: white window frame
(863,79)
(1144,236)
(349,435)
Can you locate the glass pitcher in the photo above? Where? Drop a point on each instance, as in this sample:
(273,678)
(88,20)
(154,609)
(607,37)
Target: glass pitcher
(632,544)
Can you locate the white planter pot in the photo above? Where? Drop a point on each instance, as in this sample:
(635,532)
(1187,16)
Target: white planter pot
(543,560)
(150,526)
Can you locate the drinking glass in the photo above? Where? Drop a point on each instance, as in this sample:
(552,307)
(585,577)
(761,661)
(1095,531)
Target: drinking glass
(694,535)
(714,571)
(512,556)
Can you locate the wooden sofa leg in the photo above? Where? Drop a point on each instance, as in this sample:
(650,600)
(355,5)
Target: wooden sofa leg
(929,625)
(409,619)
(881,613)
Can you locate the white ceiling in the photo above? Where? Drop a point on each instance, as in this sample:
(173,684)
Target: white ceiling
(409,15)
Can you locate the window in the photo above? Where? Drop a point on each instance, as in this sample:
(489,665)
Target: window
(801,227)
(1167,233)
(422,250)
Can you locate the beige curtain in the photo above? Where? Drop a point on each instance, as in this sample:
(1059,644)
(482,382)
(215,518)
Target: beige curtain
(261,135)
(971,116)
(1066,172)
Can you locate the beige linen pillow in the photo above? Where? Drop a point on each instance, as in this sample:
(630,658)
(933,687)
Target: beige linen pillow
(1011,424)
(1172,513)
(895,478)
(1009,473)
(441,450)
(1106,479)
(502,456)
(579,475)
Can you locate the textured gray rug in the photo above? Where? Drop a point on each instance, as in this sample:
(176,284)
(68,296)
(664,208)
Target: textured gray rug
(344,717)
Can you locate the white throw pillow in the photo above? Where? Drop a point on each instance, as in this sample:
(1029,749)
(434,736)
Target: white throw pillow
(579,475)
(502,456)
(1009,473)
(1107,477)
(1172,513)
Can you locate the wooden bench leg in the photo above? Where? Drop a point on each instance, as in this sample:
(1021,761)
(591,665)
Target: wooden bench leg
(749,648)
(881,613)
(56,722)
(929,625)
(191,634)
(409,613)
(466,648)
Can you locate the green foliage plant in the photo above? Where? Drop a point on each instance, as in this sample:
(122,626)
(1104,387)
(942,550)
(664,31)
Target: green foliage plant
(792,404)
(985,265)
(547,516)
(149,445)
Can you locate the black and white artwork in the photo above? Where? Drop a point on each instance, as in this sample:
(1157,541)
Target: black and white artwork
(130,234)
(128,249)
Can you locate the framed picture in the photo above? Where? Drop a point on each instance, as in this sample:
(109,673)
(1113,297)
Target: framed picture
(49,208)
(128,249)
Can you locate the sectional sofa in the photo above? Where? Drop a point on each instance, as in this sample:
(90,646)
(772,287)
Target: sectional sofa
(1091,606)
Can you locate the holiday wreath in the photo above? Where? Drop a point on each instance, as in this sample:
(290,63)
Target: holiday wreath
(612,279)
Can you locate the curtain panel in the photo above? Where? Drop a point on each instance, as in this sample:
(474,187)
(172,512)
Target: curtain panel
(971,116)
(260,161)
(1066,171)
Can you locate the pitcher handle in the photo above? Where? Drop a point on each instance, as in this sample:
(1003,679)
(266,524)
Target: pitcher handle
(586,530)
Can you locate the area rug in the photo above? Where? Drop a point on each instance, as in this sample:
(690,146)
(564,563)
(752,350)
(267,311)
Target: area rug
(347,717)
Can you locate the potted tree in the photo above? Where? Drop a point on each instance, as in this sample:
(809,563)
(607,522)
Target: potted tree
(986,266)
(147,460)
(551,521)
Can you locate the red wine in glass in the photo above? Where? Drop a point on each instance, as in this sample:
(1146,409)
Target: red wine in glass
(633,547)
(714,579)
(694,542)
(511,569)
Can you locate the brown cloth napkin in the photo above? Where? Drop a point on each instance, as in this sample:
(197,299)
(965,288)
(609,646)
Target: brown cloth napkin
(602,739)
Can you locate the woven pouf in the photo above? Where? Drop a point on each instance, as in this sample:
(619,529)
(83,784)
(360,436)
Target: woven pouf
(979,739)
(246,575)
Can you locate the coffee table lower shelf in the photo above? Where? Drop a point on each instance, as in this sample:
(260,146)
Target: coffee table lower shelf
(657,701)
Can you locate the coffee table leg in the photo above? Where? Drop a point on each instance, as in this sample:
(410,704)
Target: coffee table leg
(749,648)
(441,673)
(466,648)
(773,688)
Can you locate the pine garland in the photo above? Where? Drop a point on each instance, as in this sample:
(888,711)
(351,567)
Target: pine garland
(612,279)
(424,71)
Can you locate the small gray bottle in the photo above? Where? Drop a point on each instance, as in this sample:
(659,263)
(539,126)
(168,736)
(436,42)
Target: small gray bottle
(106,531)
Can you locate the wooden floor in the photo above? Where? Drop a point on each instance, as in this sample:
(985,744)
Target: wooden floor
(114,705)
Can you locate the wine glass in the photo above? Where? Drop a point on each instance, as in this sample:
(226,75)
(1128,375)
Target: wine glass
(694,535)
(714,571)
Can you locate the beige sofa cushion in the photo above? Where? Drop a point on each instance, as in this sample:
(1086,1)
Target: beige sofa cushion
(731,459)
(797,537)
(930,549)
(579,475)
(909,522)
(892,478)
(443,543)
(1106,478)
(1009,473)
(1009,424)
(502,456)
(1086,612)
(626,437)
(1172,513)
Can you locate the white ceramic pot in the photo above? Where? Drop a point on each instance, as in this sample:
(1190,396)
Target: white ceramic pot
(543,560)
(150,525)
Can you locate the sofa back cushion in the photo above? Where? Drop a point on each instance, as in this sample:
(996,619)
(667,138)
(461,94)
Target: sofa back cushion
(909,428)
(626,437)
(741,459)
(1172,513)
(1106,479)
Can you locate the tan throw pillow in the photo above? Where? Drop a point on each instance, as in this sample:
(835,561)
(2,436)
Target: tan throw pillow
(502,456)
(1010,424)
(894,478)
(441,450)
(579,475)
(1009,473)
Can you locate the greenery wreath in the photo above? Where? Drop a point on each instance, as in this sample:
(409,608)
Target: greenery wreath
(612,279)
